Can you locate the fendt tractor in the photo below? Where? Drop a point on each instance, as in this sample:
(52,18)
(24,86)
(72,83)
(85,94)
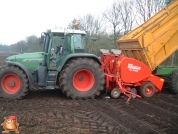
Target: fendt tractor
(62,63)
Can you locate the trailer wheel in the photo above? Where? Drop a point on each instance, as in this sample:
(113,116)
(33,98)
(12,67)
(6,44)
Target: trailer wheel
(81,78)
(147,89)
(13,83)
(115,93)
(173,83)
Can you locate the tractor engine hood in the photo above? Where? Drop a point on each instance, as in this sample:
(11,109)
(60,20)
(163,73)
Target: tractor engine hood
(30,60)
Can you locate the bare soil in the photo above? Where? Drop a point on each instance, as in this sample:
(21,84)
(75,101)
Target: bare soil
(2,59)
(50,112)
(4,55)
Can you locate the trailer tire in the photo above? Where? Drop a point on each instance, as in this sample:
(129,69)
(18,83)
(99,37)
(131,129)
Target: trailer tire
(81,78)
(147,90)
(14,83)
(173,83)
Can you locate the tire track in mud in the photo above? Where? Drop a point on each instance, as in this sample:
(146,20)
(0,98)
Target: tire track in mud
(169,97)
(29,122)
(165,106)
(145,112)
(164,119)
(102,117)
(157,109)
(125,120)
(96,123)
(52,113)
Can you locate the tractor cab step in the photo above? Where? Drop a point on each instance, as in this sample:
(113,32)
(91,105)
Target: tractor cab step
(52,75)
(51,79)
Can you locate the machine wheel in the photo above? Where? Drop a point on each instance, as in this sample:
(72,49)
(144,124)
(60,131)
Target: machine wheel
(81,78)
(147,89)
(173,83)
(13,83)
(115,93)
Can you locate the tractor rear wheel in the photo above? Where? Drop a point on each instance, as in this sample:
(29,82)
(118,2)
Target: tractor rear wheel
(81,78)
(173,83)
(147,90)
(13,83)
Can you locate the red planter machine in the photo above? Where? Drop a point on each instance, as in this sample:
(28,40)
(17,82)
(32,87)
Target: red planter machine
(128,76)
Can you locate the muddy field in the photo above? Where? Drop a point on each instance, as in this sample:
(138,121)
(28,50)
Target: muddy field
(50,112)
(4,55)
(46,112)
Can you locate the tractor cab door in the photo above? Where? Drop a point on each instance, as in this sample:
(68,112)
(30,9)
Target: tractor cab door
(56,42)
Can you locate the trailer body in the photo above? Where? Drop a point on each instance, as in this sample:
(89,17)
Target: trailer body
(155,40)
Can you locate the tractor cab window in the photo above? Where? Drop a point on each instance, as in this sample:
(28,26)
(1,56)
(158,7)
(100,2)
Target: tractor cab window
(56,42)
(67,43)
(78,41)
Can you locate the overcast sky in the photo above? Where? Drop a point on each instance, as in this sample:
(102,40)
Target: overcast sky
(22,18)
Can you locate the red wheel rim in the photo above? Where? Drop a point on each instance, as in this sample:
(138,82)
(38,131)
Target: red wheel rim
(10,83)
(149,90)
(83,80)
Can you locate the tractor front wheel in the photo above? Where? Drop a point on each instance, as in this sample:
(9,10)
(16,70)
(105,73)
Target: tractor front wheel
(13,83)
(147,89)
(81,78)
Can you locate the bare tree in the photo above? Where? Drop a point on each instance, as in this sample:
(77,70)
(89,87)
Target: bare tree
(20,46)
(147,8)
(33,44)
(168,1)
(112,16)
(92,25)
(127,13)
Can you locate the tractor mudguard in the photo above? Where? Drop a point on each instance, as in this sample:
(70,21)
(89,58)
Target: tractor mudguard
(29,75)
(78,55)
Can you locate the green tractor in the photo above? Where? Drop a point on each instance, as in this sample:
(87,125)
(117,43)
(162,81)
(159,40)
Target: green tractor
(63,64)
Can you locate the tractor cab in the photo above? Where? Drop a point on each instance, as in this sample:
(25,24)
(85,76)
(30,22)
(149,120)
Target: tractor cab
(59,43)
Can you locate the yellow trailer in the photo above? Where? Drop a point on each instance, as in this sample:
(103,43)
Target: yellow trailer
(154,41)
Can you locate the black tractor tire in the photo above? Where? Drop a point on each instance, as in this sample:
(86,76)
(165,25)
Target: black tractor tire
(147,90)
(173,82)
(80,70)
(13,83)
